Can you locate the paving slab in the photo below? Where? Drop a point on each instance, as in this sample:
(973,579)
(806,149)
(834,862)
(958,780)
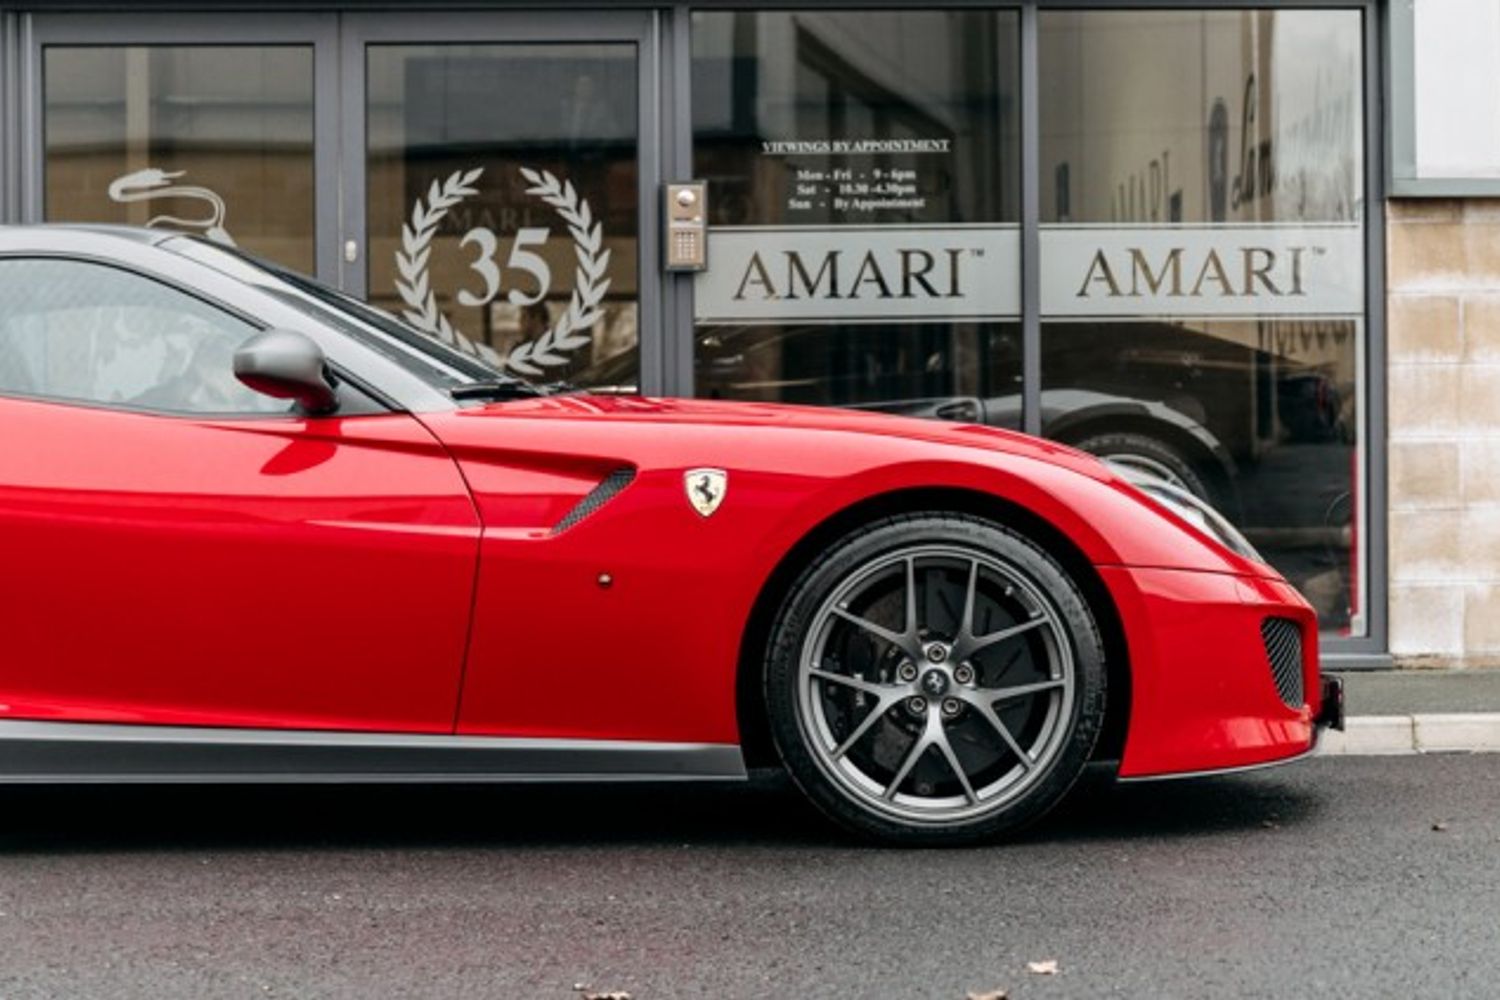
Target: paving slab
(1420,692)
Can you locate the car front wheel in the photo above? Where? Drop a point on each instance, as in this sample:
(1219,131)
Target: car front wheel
(935,679)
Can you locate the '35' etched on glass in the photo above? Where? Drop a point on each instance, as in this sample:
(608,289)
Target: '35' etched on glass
(520,259)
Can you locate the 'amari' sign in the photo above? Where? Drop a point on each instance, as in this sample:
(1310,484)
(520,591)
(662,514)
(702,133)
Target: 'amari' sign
(1206,271)
(908,274)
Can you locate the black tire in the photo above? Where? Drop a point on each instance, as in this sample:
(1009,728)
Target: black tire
(1071,635)
(1130,445)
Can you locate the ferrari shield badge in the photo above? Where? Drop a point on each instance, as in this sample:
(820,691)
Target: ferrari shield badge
(705,489)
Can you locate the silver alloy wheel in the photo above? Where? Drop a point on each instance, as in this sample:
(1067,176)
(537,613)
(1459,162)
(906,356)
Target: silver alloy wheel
(888,735)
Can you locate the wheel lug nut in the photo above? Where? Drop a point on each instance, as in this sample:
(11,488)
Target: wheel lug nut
(952,706)
(964,674)
(907,672)
(916,705)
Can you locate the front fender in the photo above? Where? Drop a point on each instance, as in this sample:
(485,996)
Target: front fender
(1101,514)
(642,606)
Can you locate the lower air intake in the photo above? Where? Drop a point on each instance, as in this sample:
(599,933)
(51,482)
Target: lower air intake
(1283,642)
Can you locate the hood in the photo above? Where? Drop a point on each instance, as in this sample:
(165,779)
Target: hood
(830,459)
(726,413)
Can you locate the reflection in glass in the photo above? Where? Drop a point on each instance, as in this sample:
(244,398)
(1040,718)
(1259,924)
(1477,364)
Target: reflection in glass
(1199,124)
(215,140)
(502,200)
(88,333)
(958,371)
(876,131)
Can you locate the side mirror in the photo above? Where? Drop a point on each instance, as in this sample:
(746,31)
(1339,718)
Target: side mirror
(287,365)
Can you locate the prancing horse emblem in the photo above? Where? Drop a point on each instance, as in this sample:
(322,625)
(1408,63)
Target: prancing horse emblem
(705,489)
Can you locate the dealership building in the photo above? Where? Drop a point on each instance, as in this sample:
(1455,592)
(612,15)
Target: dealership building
(1255,250)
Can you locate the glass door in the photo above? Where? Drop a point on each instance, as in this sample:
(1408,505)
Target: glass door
(500,182)
(203,123)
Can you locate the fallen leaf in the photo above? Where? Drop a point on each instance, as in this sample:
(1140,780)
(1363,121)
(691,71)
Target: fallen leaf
(988,995)
(1047,968)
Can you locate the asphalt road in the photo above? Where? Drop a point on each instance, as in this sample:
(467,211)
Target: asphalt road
(1326,878)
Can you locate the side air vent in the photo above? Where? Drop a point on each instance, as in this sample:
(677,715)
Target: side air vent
(597,497)
(1283,641)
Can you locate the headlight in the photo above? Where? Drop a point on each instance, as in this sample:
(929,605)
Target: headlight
(1190,508)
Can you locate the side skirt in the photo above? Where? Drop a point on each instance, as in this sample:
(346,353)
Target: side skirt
(64,752)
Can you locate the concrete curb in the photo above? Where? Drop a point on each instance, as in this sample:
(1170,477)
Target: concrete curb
(1458,732)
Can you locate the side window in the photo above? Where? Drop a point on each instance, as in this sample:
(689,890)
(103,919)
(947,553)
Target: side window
(83,332)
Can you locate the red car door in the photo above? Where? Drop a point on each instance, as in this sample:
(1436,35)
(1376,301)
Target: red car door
(179,550)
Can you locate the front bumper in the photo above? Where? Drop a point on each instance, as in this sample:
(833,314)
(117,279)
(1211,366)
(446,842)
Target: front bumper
(1203,696)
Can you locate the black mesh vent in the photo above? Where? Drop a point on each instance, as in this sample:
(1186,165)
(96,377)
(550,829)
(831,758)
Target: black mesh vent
(1283,640)
(598,497)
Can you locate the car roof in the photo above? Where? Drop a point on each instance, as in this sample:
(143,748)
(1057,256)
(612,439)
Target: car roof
(46,235)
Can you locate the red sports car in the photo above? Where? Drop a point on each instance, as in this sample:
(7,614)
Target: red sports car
(254,530)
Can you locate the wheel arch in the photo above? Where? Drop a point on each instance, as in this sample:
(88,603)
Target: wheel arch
(754,728)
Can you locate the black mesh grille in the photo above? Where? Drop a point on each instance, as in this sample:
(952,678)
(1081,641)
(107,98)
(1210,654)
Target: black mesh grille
(1283,640)
(597,497)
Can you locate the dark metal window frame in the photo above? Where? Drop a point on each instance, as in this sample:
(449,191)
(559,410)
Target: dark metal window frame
(10,116)
(668,135)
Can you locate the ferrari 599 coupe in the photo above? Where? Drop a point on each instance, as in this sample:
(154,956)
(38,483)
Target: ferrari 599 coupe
(255,530)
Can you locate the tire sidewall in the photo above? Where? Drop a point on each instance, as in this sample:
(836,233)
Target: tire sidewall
(791,733)
(1129,443)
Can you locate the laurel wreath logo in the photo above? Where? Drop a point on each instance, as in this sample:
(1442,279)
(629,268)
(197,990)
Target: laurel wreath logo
(589,283)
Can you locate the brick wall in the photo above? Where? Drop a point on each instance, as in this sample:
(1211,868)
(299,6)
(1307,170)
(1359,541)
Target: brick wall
(1444,404)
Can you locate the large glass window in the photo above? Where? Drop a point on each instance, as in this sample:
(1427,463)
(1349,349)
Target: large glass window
(1202,266)
(211,139)
(1201,196)
(863,171)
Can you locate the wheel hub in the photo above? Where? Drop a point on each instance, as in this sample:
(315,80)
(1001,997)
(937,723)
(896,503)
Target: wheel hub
(935,683)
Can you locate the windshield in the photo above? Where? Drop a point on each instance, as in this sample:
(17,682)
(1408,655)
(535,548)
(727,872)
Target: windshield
(419,353)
